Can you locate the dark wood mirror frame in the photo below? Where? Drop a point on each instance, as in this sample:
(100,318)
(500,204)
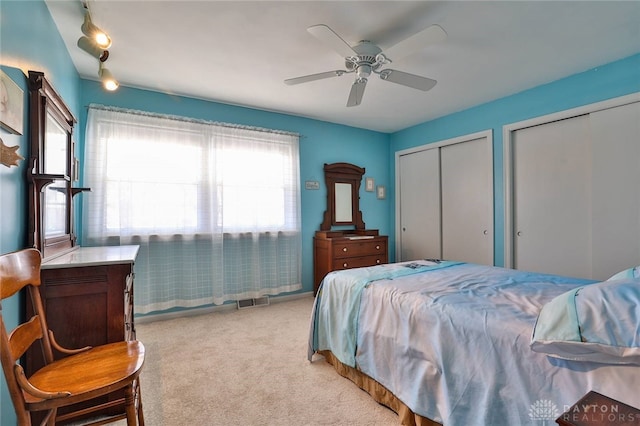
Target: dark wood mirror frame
(46,106)
(342,173)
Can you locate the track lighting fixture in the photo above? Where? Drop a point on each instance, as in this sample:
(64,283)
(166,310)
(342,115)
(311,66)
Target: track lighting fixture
(89,29)
(92,48)
(96,42)
(108,80)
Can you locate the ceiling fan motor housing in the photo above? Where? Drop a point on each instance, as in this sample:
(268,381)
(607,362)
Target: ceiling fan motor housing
(366,61)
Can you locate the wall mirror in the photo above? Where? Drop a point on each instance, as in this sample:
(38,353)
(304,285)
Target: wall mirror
(343,196)
(50,171)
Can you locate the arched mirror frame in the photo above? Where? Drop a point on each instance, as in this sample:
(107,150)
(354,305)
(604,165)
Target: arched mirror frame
(339,178)
(50,171)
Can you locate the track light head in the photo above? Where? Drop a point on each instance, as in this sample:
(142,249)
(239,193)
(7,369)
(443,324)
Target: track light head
(92,48)
(108,80)
(100,37)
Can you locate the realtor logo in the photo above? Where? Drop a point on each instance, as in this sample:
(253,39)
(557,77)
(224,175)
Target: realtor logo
(543,410)
(600,412)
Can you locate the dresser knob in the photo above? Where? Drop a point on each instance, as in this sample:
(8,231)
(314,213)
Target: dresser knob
(344,265)
(344,249)
(377,247)
(378,261)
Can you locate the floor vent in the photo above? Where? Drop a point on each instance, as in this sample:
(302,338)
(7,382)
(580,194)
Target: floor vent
(250,303)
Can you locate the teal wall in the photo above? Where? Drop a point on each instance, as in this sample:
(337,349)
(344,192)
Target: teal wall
(604,82)
(13,225)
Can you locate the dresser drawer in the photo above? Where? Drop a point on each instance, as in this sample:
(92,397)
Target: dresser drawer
(356,248)
(358,262)
(338,250)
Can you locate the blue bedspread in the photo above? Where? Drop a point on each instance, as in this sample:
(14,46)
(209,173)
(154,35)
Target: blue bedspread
(335,322)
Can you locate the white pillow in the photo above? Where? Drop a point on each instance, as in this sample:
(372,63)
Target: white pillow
(598,322)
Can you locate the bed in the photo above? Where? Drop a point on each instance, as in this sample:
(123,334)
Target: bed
(463,344)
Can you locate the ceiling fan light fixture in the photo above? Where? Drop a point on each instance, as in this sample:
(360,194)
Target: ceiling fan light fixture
(363,72)
(109,82)
(92,48)
(100,37)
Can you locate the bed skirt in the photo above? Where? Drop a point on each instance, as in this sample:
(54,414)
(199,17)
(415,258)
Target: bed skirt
(378,392)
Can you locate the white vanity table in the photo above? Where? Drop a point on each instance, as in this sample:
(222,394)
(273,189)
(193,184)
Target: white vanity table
(93,256)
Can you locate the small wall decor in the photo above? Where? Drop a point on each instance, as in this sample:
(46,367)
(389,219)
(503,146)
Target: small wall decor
(11,105)
(311,184)
(381,193)
(8,155)
(369,184)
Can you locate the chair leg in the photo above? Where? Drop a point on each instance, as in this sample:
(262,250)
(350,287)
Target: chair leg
(139,403)
(50,419)
(130,405)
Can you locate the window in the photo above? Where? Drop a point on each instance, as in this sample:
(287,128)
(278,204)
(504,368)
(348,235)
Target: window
(214,208)
(165,176)
(254,189)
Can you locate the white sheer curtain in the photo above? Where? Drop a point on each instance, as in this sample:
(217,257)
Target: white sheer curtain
(214,207)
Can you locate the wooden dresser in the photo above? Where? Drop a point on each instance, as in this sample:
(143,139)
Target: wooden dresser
(88,299)
(335,250)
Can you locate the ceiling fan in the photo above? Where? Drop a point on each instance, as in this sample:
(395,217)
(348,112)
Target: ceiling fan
(366,58)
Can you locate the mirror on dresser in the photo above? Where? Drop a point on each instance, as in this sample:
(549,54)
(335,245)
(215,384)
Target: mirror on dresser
(352,245)
(343,196)
(51,170)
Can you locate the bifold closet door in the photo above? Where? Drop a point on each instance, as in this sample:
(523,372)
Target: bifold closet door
(552,198)
(419,205)
(615,134)
(467,201)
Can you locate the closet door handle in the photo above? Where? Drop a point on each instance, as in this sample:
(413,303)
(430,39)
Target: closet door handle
(519,233)
(485,232)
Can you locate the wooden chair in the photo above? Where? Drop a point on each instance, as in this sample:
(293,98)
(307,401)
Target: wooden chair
(80,376)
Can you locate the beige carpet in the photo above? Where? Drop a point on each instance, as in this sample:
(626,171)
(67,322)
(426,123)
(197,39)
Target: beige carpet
(246,367)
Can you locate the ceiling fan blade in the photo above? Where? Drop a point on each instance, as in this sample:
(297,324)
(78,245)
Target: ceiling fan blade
(330,38)
(313,77)
(357,91)
(406,79)
(428,36)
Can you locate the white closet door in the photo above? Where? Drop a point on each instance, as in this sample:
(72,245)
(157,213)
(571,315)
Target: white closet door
(552,198)
(616,189)
(467,201)
(419,205)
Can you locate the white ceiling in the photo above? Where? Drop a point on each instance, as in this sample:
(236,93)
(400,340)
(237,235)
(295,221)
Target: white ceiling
(239,52)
